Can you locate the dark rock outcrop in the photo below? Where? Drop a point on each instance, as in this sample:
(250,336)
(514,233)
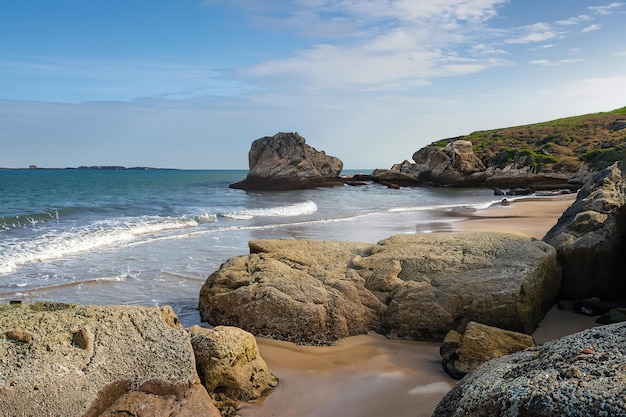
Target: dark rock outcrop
(284,161)
(578,375)
(456,165)
(407,286)
(464,352)
(590,239)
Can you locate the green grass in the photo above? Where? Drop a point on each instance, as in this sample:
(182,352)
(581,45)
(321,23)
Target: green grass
(557,145)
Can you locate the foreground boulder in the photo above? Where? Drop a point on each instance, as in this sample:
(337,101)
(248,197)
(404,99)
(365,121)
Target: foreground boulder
(462,353)
(70,360)
(408,286)
(579,375)
(284,161)
(230,366)
(590,239)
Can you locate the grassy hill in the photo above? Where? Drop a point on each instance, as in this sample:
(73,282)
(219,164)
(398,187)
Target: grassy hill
(556,146)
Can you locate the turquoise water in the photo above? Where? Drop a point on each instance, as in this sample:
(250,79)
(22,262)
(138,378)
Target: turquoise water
(151,237)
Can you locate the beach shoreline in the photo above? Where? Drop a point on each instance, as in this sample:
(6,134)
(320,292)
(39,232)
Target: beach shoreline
(372,375)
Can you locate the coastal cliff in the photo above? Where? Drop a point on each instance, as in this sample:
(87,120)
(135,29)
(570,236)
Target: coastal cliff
(557,154)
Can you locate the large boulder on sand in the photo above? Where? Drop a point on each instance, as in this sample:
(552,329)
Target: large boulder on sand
(578,375)
(230,365)
(464,352)
(590,239)
(284,161)
(407,286)
(295,290)
(69,360)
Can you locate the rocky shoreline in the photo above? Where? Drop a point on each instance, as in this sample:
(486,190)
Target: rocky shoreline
(460,288)
(284,162)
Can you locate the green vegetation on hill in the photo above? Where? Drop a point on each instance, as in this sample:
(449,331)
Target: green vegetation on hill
(556,146)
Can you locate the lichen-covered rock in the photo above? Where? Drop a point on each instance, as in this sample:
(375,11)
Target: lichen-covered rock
(462,353)
(284,161)
(453,164)
(578,375)
(408,286)
(590,239)
(71,360)
(230,365)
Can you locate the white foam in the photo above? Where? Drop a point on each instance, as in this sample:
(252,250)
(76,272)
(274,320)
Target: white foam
(103,233)
(292,210)
(475,206)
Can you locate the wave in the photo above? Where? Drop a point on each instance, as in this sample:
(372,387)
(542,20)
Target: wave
(447,207)
(61,285)
(292,210)
(55,245)
(23,220)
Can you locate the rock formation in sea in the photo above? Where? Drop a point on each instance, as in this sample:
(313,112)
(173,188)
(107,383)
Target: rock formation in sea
(407,286)
(464,352)
(284,161)
(590,239)
(72,360)
(578,375)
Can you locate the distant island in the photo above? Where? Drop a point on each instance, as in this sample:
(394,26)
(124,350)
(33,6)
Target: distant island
(100,168)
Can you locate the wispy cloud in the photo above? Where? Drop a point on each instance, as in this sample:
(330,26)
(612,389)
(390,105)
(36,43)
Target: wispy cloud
(606,10)
(591,28)
(391,43)
(576,20)
(554,63)
(538,32)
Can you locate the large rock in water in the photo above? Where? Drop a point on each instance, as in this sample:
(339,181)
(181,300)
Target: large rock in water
(578,375)
(284,161)
(590,239)
(69,360)
(407,286)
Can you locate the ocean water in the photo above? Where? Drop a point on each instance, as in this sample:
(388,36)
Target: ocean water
(152,237)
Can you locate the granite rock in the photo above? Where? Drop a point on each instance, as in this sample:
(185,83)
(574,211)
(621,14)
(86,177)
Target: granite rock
(583,374)
(284,161)
(407,286)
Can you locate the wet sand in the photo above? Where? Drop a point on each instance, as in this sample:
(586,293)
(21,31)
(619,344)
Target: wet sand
(369,375)
(529,216)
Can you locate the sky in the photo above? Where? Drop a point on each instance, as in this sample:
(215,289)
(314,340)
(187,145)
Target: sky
(191,83)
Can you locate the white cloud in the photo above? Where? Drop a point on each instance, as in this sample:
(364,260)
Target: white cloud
(484,49)
(537,32)
(554,63)
(606,10)
(576,20)
(620,53)
(591,28)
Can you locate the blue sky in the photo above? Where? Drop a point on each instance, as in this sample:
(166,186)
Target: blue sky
(191,83)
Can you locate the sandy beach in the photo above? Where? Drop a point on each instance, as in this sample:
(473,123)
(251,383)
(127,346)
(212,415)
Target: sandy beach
(369,375)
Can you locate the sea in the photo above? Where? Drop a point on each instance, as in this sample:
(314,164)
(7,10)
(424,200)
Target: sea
(152,237)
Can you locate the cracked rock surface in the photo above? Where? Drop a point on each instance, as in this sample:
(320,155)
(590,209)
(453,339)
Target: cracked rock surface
(407,286)
(583,374)
(71,360)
